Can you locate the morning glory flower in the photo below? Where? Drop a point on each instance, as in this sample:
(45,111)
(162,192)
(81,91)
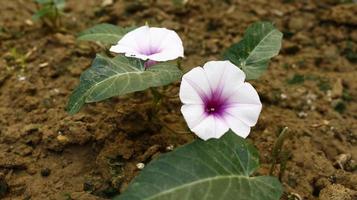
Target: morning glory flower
(150,43)
(217,99)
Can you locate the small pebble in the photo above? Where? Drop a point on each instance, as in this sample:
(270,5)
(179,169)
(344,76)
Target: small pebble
(170,147)
(45,64)
(62,138)
(29,22)
(302,114)
(22,78)
(283,96)
(140,165)
(106,3)
(341,160)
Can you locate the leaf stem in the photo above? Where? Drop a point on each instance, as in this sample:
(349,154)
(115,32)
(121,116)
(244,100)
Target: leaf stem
(157,97)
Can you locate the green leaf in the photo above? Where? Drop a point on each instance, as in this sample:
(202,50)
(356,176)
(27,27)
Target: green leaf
(217,169)
(43,1)
(58,4)
(260,43)
(106,34)
(108,77)
(296,79)
(42,13)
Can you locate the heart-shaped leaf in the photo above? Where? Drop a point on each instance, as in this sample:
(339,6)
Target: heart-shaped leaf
(217,169)
(108,77)
(261,42)
(106,34)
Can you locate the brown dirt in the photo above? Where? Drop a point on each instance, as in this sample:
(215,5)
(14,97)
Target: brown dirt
(310,87)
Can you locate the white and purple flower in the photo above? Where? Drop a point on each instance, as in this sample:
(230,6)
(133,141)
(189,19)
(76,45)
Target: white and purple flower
(217,99)
(150,44)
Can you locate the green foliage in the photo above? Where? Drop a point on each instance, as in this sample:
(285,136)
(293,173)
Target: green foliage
(19,59)
(106,34)
(296,79)
(4,187)
(214,169)
(260,43)
(108,77)
(349,52)
(340,106)
(278,154)
(346,95)
(50,11)
(67,196)
(59,4)
(324,85)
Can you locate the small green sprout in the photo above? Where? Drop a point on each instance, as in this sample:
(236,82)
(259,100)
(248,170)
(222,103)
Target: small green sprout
(18,59)
(324,85)
(50,12)
(278,154)
(340,107)
(67,196)
(296,79)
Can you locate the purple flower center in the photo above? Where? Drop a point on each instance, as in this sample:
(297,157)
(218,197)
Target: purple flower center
(148,51)
(215,104)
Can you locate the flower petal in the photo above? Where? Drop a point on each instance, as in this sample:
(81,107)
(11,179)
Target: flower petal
(237,126)
(194,86)
(168,42)
(219,86)
(246,113)
(193,114)
(132,42)
(188,94)
(223,74)
(157,44)
(244,94)
(210,127)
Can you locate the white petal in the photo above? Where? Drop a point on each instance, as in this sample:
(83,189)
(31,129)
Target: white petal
(137,42)
(119,48)
(210,127)
(167,54)
(188,94)
(244,94)
(132,42)
(193,114)
(237,126)
(194,86)
(158,35)
(223,74)
(246,113)
(168,42)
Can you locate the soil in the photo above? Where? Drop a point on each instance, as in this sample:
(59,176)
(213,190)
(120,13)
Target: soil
(310,87)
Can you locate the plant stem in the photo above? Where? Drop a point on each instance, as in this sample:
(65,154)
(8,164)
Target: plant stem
(277,148)
(283,160)
(179,64)
(157,95)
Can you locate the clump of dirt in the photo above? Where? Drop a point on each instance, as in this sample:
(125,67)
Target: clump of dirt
(337,192)
(310,88)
